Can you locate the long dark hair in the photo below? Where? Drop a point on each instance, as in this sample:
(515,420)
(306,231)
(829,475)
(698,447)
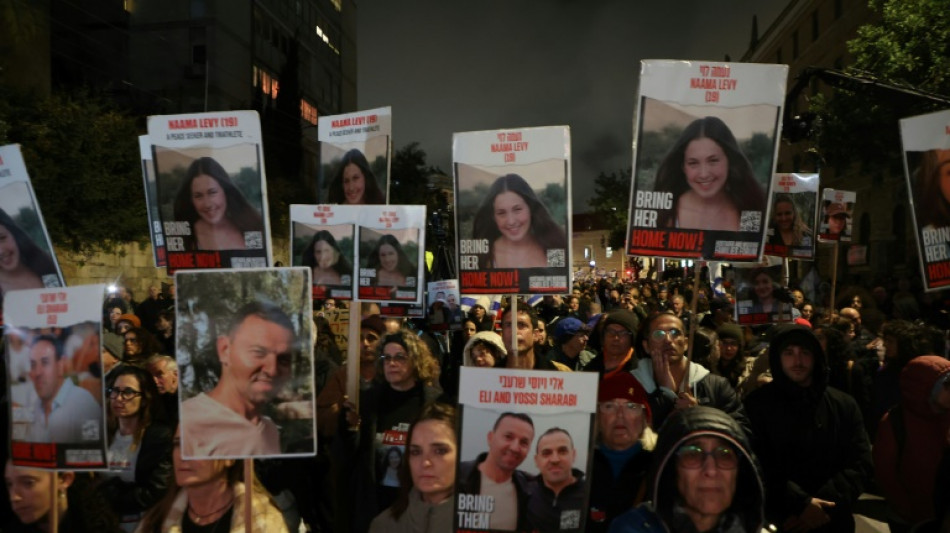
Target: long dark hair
(405,266)
(32,256)
(342,265)
(239,211)
(545,231)
(150,409)
(741,186)
(932,208)
(372,195)
(438,412)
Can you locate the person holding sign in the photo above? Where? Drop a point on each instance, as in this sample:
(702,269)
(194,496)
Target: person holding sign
(355,183)
(711,181)
(327,264)
(787,225)
(933,197)
(219,216)
(517,227)
(255,357)
(391,263)
(23,265)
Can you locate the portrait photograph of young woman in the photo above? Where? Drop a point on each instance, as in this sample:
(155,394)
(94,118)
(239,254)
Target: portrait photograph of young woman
(355,173)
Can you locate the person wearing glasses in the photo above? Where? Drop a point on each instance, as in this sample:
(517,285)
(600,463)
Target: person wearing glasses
(619,328)
(810,438)
(61,412)
(255,355)
(672,381)
(624,450)
(402,387)
(140,446)
(705,478)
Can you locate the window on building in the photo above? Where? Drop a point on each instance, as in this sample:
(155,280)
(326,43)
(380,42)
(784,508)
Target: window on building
(198,8)
(864,233)
(588,252)
(338,4)
(325,37)
(308,112)
(199,54)
(814,25)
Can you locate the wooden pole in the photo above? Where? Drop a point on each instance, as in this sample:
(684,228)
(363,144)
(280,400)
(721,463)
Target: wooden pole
(353,347)
(834,277)
(684,384)
(513,315)
(248,493)
(54,501)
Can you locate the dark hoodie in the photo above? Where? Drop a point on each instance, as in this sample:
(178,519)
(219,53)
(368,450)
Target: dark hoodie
(665,513)
(811,440)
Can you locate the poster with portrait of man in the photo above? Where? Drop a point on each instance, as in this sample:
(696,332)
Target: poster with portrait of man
(55,388)
(793,216)
(323,238)
(444,304)
(706,140)
(27,257)
(390,248)
(245,357)
(211,189)
(356,153)
(761,297)
(926,144)
(523,431)
(837,208)
(151,202)
(513,210)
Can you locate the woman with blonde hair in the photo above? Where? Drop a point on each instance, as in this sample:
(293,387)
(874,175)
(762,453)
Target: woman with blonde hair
(788,228)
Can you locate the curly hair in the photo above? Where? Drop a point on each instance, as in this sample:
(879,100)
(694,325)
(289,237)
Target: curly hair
(239,211)
(341,265)
(405,266)
(424,366)
(372,195)
(741,186)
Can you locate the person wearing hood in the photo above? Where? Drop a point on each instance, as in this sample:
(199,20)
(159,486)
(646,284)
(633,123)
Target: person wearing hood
(912,438)
(485,349)
(705,478)
(482,316)
(810,438)
(731,361)
(672,381)
(557,499)
(570,343)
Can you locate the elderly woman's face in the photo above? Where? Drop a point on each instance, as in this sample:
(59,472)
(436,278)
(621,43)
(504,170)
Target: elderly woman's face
(784,215)
(208,198)
(354,184)
(763,286)
(482,356)
(9,251)
(388,257)
(324,255)
(706,167)
(512,216)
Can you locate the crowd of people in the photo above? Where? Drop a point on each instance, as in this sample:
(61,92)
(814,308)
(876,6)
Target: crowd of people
(701,424)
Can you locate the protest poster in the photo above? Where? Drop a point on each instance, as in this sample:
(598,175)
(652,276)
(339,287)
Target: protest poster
(54,358)
(926,144)
(151,202)
(323,238)
(836,210)
(513,210)
(445,311)
(706,139)
(533,410)
(391,252)
(355,151)
(245,358)
(760,296)
(210,184)
(24,241)
(793,216)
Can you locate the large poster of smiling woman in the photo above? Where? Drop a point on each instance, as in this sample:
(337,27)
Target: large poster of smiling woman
(706,139)
(390,246)
(355,149)
(793,216)
(212,197)
(926,141)
(513,210)
(27,259)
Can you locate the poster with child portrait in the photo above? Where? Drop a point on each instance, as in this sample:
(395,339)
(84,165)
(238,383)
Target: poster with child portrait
(356,153)
(27,258)
(212,194)
(390,247)
(793,215)
(513,210)
(323,238)
(706,139)
(926,143)
(56,406)
(836,212)
(761,297)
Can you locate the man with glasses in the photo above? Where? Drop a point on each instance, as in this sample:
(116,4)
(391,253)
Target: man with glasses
(63,412)
(810,438)
(255,355)
(705,479)
(616,355)
(672,381)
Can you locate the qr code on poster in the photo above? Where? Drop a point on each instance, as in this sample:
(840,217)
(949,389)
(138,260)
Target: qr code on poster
(556,257)
(750,221)
(253,240)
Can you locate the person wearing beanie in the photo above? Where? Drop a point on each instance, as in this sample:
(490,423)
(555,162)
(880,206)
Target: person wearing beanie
(127,322)
(570,343)
(485,349)
(810,437)
(481,314)
(623,453)
(730,360)
(619,329)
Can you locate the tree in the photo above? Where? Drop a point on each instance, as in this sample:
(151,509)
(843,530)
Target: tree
(611,202)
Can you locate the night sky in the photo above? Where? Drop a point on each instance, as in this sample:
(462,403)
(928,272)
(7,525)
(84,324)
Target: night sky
(448,66)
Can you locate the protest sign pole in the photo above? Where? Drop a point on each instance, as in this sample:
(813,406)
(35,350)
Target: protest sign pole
(513,315)
(684,384)
(353,347)
(834,276)
(785,272)
(54,501)
(248,489)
